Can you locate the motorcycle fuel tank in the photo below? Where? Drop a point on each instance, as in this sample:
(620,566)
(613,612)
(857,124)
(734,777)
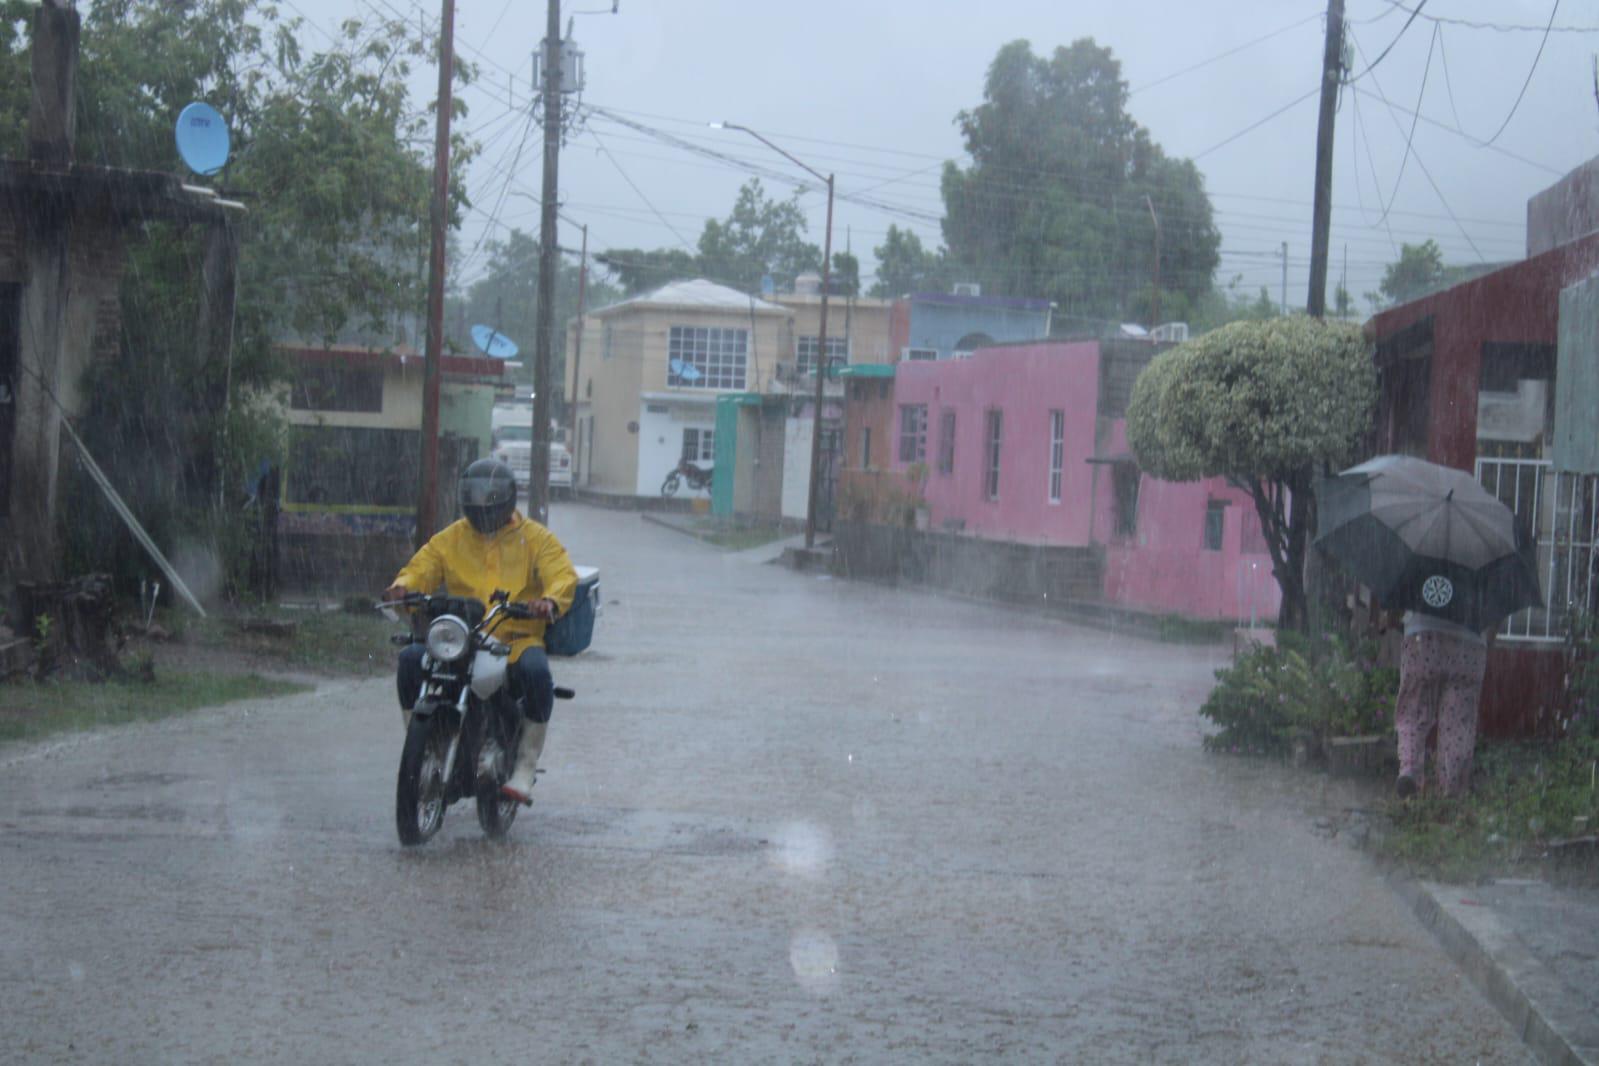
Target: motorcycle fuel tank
(488,673)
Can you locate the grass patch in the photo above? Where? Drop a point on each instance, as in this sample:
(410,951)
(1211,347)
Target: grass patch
(1524,797)
(33,709)
(325,642)
(742,539)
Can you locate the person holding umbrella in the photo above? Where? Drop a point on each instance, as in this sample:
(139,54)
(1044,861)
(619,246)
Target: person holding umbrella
(1432,542)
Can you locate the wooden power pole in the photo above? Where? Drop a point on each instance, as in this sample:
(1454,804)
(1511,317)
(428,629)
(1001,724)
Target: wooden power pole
(1332,64)
(538,478)
(426,504)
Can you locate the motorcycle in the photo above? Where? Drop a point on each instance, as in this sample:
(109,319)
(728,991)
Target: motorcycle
(462,736)
(698,477)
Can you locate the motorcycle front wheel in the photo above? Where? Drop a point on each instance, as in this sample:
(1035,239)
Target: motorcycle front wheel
(419,792)
(495,813)
(669,486)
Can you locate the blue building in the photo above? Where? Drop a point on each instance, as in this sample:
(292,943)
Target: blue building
(936,325)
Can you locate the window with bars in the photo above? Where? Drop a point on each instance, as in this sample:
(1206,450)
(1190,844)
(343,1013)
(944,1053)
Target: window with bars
(912,432)
(1215,524)
(946,442)
(805,354)
(699,445)
(992,442)
(1057,453)
(701,357)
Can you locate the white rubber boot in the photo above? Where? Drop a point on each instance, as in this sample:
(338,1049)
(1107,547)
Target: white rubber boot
(520,786)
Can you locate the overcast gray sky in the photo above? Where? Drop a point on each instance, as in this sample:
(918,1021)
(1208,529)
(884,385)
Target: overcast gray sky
(870,89)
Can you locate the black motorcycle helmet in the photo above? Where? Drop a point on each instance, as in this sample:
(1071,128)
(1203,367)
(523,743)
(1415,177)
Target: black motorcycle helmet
(488,494)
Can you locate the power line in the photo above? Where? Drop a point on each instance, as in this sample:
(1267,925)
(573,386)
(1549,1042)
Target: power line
(634,186)
(1552,11)
(1499,27)
(1255,125)
(1373,64)
(1420,163)
(1411,136)
(1223,55)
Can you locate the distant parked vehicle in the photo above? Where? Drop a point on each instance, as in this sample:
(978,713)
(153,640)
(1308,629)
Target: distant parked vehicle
(698,478)
(513,446)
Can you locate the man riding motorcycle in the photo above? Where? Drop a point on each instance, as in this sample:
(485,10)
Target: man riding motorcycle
(495,548)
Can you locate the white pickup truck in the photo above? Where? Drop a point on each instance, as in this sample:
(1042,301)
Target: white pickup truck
(513,446)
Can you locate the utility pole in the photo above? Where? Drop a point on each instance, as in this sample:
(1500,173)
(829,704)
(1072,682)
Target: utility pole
(821,377)
(821,341)
(1155,311)
(538,480)
(577,358)
(1321,211)
(426,510)
(1283,306)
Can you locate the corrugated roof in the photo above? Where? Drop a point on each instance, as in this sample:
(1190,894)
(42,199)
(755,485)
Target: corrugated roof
(699,294)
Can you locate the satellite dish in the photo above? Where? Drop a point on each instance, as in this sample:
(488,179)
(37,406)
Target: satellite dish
(202,136)
(684,370)
(492,342)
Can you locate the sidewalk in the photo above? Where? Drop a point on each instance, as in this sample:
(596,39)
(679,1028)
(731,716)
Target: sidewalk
(1533,950)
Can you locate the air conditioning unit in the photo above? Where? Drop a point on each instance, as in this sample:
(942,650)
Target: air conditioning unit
(968,288)
(1175,332)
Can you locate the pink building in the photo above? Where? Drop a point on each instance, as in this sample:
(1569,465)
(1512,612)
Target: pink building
(1027,444)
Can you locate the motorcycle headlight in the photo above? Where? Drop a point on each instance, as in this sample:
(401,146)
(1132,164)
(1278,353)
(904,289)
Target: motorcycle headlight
(448,639)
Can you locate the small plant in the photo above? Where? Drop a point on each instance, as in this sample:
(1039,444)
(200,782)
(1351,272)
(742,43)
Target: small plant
(43,626)
(1303,690)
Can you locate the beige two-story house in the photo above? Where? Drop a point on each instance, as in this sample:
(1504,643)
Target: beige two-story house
(651,370)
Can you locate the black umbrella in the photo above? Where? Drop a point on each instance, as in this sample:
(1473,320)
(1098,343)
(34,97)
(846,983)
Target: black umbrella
(1428,538)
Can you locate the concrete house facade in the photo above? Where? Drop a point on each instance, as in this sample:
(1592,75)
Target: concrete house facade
(931,326)
(346,515)
(652,369)
(1015,463)
(1500,375)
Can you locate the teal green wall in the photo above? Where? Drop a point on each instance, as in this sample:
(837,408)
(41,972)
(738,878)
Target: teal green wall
(726,454)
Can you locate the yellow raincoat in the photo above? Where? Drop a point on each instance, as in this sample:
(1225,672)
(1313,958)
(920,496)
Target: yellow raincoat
(522,557)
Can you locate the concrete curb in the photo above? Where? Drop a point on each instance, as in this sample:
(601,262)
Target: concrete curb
(675,527)
(1530,997)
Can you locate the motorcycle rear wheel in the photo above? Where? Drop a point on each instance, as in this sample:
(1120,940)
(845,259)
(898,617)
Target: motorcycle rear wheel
(495,813)
(419,800)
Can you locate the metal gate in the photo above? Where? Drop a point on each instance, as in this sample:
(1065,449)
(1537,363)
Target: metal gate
(827,489)
(1557,512)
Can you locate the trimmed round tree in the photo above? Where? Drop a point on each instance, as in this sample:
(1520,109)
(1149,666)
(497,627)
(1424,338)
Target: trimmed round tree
(1268,406)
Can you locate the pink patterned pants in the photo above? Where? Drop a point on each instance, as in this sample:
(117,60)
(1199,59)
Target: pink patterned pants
(1440,682)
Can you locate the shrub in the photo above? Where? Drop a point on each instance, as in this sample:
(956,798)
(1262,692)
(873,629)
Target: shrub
(1303,690)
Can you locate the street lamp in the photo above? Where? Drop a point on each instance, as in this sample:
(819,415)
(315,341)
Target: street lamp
(821,341)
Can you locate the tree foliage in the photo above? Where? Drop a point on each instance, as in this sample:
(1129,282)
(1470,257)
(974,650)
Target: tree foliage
(1056,201)
(904,266)
(1267,405)
(1418,271)
(760,237)
(505,298)
(332,159)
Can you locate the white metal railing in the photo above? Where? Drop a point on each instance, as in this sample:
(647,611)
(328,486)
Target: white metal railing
(1558,510)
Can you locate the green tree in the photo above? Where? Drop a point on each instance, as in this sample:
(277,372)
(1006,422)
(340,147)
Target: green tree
(637,270)
(505,298)
(759,237)
(1343,303)
(846,275)
(332,159)
(1265,405)
(904,266)
(1419,270)
(1057,199)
